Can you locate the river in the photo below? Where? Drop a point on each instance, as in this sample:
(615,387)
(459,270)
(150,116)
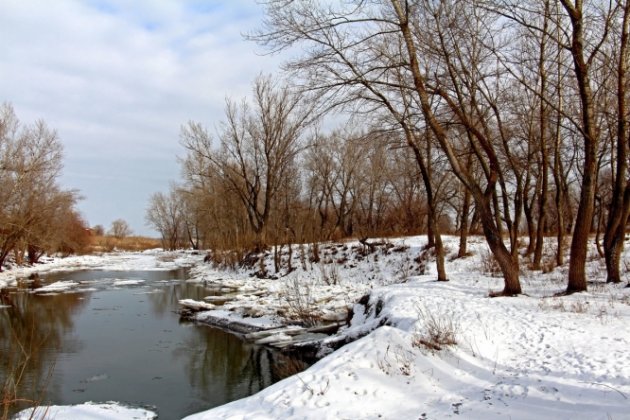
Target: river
(117,337)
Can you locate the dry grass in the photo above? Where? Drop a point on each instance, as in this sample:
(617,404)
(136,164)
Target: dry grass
(131,243)
(439,330)
(490,265)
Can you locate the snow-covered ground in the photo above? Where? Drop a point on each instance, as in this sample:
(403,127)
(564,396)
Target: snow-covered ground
(154,259)
(87,411)
(533,356)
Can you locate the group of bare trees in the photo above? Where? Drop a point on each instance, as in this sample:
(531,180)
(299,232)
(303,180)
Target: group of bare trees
(36,215)
(507,116)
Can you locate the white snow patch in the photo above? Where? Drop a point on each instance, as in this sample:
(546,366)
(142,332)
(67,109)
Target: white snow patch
(127,282)
(89,410)
(56,287)
(195,304)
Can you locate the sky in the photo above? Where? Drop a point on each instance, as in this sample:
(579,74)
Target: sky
(118,78)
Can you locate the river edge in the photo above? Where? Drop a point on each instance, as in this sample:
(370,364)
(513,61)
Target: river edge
(541,355)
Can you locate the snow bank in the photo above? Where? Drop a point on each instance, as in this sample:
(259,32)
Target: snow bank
(532,356)
(152,260)
(89,410)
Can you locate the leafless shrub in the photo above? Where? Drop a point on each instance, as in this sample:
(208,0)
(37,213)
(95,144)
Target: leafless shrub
(438,330)
(298,294)
(329,274)
(403,270)
(490,265)
(400,248)
(579,307)
(423,259)
(226,260)
(398,361)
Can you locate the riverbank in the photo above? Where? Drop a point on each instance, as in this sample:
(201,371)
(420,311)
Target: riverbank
(418,348)
(434,350)
(153,259)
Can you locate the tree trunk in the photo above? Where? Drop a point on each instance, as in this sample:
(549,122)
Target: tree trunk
(505,259)
(463,228)
(620,206)
(531,228)
(584,219)
(614,240)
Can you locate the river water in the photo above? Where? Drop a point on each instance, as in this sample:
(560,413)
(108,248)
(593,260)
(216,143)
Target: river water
(113,339)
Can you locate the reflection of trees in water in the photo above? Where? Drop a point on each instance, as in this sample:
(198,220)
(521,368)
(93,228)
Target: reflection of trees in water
(32,330)
(224,368)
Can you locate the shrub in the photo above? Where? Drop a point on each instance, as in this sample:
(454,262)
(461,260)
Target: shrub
(300,301)
(439,330)
(490,265)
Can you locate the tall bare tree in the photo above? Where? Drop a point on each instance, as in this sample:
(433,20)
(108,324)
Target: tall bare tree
(258,143)
(619,209)
(33,208)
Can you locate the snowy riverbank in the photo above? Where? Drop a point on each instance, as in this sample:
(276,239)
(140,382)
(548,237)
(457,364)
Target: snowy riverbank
(532,356)
(154,259)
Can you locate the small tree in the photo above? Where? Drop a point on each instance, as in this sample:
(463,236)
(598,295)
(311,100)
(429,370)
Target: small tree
(165,213)
(120,229)
(98,230)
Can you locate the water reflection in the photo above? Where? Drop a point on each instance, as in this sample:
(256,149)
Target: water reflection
(32,332)
(125,344)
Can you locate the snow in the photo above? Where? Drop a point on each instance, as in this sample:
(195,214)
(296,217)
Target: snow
(127,282)
(150,260)
(533,356)
(89,410)
(59,286)
(539,355)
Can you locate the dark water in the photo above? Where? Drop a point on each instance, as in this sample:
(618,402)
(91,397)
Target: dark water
(102,342)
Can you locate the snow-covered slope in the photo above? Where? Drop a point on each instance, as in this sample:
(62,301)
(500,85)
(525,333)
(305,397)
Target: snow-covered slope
(536,356)
(532,356)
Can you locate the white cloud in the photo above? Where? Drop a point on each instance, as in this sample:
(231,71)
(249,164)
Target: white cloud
(117,79)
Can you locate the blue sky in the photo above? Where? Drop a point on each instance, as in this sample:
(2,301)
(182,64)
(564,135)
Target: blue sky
(118,78)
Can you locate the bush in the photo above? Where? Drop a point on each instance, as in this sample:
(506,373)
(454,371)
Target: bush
(490,265)
(300,301)
(439,330)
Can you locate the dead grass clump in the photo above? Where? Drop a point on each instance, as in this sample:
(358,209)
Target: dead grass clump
(302,307)
(490,265)
(439,330)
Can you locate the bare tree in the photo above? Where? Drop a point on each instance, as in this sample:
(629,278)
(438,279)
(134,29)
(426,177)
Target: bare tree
(619,209)
(120,229)
(165,213)
(257,146)
(32,206)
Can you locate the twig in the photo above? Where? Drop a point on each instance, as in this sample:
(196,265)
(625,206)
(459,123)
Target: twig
(608,386)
